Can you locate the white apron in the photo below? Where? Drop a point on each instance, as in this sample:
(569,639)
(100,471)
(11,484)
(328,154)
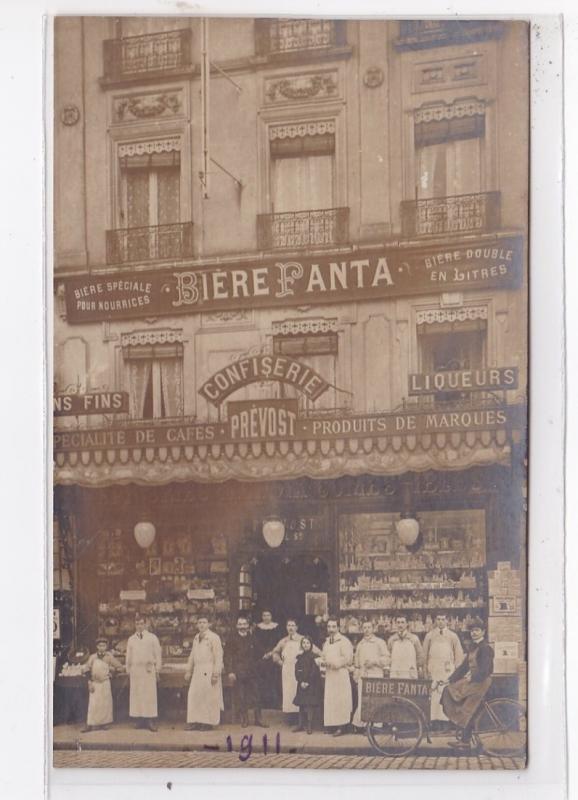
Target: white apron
(373,650)
(338,700)
(289,654)
(403,659)
(143,661)
(100,698)
(205,700)
(440,665)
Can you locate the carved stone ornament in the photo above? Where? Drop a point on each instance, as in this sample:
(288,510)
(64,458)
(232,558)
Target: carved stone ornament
(146,107)
(373,77)
(301,87)
(70,115)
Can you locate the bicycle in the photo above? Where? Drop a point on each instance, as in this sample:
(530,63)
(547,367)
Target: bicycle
(397,726)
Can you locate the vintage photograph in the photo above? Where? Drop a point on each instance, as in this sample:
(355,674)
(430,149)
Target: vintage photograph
(290,393)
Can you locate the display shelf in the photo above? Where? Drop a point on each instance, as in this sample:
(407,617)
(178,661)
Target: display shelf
(434,568)
(387,589)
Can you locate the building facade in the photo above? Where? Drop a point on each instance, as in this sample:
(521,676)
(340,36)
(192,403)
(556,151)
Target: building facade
(290,312)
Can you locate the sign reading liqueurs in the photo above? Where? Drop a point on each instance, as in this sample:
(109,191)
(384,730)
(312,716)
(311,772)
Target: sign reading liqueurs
(464,380)
(255,369)
(361,275)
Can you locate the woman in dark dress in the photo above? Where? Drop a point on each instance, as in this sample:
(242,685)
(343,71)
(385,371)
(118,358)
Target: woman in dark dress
(266,635)
(309,688)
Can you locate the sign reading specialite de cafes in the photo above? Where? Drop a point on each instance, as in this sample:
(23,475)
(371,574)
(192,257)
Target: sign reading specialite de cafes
(271,420)
(294,281)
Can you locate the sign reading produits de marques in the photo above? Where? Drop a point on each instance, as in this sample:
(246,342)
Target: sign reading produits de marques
(310,279)
(274,420)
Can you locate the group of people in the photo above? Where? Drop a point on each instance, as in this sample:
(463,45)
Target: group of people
(314,675)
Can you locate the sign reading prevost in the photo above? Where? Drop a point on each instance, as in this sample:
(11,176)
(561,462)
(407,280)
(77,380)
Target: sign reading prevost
(363,275)
(464,380)
(93,403)
(246,429)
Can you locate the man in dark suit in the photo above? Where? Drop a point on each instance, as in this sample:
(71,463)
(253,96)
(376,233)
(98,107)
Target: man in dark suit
(242,660)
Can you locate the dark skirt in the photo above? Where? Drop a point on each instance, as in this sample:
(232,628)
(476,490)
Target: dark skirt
(460,700)
(307,671)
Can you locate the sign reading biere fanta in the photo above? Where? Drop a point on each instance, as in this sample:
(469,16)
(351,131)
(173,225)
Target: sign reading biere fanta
(361,275)
(377,692)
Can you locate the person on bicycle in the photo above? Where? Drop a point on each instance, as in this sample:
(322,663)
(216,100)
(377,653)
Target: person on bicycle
(469,684)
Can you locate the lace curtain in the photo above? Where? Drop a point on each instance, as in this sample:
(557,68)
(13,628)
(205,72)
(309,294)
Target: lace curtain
(449,168)
(302,183)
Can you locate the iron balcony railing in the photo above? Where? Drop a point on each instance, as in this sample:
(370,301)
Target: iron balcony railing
(157,242)
(417,34)
(303,228)
(456,214)
(290,35)
(141,55)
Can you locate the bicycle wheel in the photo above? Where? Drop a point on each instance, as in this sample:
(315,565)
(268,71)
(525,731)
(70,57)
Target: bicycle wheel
(396,728)
(501,728)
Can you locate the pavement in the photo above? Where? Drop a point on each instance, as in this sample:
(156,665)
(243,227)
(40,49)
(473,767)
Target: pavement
(232,746)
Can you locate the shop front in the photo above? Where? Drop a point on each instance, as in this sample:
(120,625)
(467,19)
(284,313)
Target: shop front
(301,547)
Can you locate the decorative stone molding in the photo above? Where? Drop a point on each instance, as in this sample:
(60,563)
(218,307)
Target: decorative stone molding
(301,327)
(466,71)
(70,115)
(373,77)
(440,315)
(136,338)
(166,145)
(60,301)
(293,130)
(227,317)
(301,88)
(146,106)
(470,107)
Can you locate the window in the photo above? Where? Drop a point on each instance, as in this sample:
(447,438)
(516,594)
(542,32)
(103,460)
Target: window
(154,375)
(150,186)
(447,346)
(318,351)
(449,143)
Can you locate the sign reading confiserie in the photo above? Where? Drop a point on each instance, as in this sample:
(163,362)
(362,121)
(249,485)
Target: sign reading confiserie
(364,275)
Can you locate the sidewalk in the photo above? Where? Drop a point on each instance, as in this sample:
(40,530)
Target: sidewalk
(279,739)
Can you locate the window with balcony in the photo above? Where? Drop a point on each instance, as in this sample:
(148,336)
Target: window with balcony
(449,172)
(318,351)
(283,36)
(302,188)
(148,206)
(154,374)
(144,46)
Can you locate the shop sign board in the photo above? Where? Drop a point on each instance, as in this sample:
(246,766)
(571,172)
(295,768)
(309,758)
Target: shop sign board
(375,692)
(256,369)
(464,380)
(308,279)
(92,403)
(263,415)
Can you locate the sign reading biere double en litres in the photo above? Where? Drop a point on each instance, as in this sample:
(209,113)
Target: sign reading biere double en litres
(362,275)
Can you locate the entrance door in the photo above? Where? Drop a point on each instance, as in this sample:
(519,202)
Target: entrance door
(281,582)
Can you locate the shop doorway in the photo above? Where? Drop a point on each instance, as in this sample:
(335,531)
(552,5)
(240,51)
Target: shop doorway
(291,586)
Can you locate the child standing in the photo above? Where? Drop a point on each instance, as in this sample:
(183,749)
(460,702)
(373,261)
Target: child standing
(100,667)
(309,688)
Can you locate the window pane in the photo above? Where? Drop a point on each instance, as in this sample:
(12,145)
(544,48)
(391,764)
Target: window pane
(137,198)
(302,184)
(168,195)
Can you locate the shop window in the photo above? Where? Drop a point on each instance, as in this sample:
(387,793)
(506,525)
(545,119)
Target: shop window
(155,379)
(318,351)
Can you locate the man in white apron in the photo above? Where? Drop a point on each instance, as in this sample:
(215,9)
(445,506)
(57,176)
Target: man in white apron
(204,668)
(370,660)
(337,659)
(100,667)
(285,654)
(143,664)
(442,652)
(406,652)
